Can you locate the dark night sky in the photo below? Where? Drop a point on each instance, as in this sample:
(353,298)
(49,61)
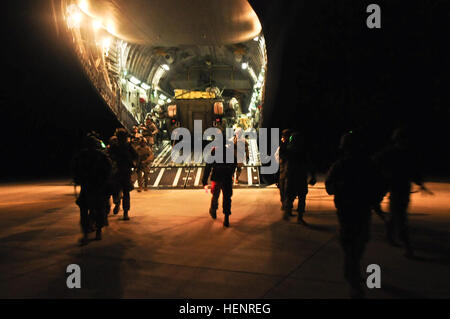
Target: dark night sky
(327,73)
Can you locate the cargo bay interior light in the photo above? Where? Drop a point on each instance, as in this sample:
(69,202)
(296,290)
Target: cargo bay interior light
(165,67)
(77,17)
(111,28)
(145,86)
(106,43)
(96,24)
(74,16)
(134,80)
(244,65)
(83,4)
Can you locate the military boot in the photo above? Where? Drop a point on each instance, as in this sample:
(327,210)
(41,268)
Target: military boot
(226,221)
(300,219)
(125,215)
(84,240)
(98,234)
(287,213)
(213,213)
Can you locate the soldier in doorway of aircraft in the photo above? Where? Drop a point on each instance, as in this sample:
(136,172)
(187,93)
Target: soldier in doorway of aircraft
(149,131)
(136,136)
(242,157)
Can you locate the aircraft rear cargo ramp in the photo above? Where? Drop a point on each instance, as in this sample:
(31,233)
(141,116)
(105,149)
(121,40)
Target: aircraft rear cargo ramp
(165,173)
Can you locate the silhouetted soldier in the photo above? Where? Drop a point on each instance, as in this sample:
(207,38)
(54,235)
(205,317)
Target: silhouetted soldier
(399,165)
(125,158)
(357,186)
(145,157)
(221,180)
(296,166)
(114,188)
(92,169)
(280,156)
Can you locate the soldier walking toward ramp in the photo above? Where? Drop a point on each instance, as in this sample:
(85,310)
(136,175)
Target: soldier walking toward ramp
(221,181)
(357,186)
(143,167)
(125,158)
(295,166)
(114,186)
(241,158)
(281,161)
(92,169)
(400,167)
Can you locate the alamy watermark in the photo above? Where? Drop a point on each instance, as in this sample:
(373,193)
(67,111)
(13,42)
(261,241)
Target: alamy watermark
(373,21)
(374,279)
(181,151)
(74,279)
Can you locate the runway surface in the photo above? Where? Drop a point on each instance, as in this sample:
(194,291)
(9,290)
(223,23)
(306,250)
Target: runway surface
(171,248)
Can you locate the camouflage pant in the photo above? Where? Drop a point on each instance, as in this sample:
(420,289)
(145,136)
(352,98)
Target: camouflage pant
(398,223)
(291,189)
(93,205)
(124,186)
(227,192)
(142,174)
(239,170)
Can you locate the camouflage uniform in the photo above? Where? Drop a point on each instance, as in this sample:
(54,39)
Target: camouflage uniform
(221,180)
(149,132)
(92,169)
(124,157)
(241,158)
(295,166)
(145,157)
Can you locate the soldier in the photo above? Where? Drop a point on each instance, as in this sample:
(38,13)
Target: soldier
(241,158)
(281,161)
(400,167)
(135,136)
(114,186)
(294,170)
(124,157)
(92,169)
(149,131)
(145,157)
(221,180)
(357,186)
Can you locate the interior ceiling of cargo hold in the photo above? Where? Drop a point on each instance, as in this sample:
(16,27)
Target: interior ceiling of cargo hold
(179,44)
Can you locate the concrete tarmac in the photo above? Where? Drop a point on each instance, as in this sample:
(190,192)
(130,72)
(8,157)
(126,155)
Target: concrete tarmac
(171,248)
